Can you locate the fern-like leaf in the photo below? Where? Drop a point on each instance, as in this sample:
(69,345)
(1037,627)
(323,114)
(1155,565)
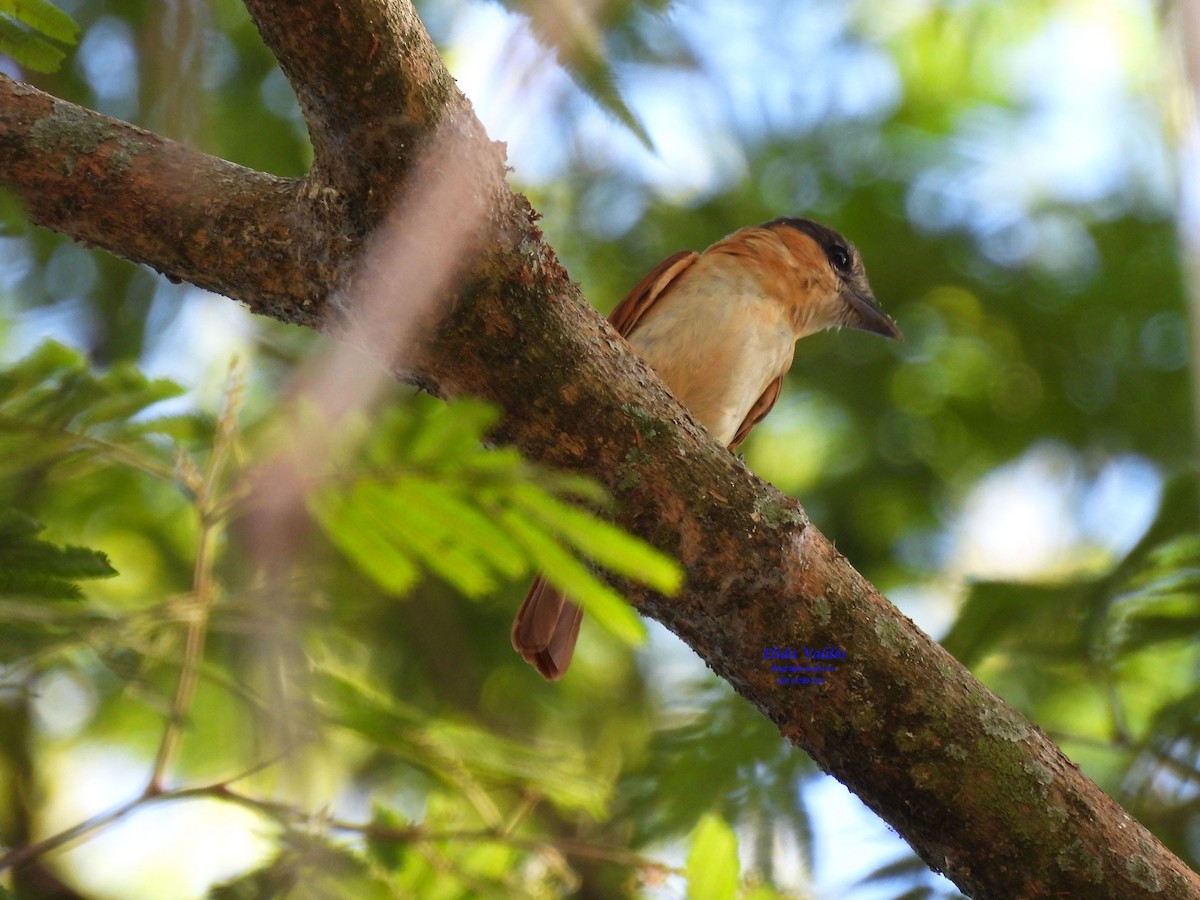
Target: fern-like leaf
(28,45)
(435,499)
(35,569)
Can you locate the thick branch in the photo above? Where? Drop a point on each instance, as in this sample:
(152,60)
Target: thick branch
(372,87)
(154,201)
(980,793)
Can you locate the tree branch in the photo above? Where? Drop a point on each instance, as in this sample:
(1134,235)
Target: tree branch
(980,793)
(370,83)
(154,201)
(297,817)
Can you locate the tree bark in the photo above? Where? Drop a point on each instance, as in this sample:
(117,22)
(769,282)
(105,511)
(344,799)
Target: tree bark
(979,792)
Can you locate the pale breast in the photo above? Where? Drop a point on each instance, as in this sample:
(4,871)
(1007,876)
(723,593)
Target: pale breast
(717,343)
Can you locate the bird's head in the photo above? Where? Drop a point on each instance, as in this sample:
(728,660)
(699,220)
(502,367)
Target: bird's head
(816,272)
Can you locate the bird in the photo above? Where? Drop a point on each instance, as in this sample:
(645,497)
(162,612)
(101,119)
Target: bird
(720,329)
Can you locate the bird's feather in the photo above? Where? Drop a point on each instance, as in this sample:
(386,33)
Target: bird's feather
(650,290)
(758,411)
(545,629)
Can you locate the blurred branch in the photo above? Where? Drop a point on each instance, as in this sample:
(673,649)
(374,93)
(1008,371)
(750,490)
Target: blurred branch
(28,853)
(1186,34)
(118,453)
(206,489)
(292,816)
(979,792)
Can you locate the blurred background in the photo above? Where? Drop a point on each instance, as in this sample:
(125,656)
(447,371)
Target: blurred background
(1017,475)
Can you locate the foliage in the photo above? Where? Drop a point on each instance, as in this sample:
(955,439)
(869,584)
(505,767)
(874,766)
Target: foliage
(421,489)
(35,577)
(712,861)
(62,420)
(428,492)
(28,45)
(60,425)
(34,569)
(578,34)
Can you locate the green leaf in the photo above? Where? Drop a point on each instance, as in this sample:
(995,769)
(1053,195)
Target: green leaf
(1045,619)
(29,49)
(436,499)
(385,851)
(1178,514)
(46,361)
(184,427)
(56,413)
(1143,631)
(605,543)
(595,77)
(35,569)
(449,554)
(1162,603)
(469,523)
(561,773)
(354,532)
(712,861)
(127,393)
(576,32)
(275,881)
(43,17)
(449,749)
(451,432)
(565,571)
(29,628)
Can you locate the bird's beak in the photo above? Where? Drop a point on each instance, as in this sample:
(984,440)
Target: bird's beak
(864,312)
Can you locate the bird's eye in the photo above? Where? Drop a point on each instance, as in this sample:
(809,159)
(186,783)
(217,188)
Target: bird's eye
(840,258)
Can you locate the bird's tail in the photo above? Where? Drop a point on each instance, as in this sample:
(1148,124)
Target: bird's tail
(546,629)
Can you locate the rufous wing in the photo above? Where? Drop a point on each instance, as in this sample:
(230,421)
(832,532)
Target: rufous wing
(758,411)
(650,290)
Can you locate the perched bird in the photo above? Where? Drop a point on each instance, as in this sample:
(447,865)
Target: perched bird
(720,329)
